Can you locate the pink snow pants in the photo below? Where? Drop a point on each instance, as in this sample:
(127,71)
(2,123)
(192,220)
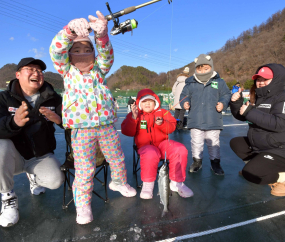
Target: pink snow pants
(150,156)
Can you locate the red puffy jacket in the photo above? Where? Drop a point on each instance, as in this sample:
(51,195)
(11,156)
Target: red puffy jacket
(154,134)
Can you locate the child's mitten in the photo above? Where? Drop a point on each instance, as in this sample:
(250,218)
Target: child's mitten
(80,26)
(100,27)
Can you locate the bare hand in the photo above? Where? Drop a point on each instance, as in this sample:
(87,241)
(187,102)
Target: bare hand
(135,111)
(236,95)
(50,115)
(243,108)
(186,105)
(159,121)
(21,113)
(219,107)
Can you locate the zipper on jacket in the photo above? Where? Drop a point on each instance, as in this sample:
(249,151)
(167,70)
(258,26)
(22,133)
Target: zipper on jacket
(69,106)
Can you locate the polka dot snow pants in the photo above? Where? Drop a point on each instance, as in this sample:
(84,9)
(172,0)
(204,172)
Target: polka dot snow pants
(83,145)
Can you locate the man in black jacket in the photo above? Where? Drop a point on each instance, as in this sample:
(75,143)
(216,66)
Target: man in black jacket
(28,110)
(263,150)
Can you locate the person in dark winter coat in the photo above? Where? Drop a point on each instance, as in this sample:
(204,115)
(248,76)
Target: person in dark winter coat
(263,150)
(150,125)
(206,95)
(28,110)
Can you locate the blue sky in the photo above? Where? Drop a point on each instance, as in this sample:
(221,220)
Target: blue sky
(168,36)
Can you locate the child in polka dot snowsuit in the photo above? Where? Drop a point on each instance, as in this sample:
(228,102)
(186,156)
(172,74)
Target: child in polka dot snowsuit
(88,107)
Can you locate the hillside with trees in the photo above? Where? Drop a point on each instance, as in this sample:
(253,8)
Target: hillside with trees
(237,60)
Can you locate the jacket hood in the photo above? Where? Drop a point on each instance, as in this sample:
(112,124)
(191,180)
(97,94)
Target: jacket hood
(277,83)
(181,79)
(46,90)
(145,92)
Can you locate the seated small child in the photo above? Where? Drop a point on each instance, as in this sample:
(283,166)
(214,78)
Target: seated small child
(150,126)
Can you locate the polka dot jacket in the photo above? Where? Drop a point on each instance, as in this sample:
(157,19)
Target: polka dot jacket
(87,101)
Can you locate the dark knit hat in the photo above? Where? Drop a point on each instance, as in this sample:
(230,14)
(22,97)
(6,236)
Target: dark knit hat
(204,60)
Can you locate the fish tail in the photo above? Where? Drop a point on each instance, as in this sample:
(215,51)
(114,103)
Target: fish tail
(164,212)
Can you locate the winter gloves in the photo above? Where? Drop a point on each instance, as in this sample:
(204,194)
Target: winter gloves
(80,27)
(99,25)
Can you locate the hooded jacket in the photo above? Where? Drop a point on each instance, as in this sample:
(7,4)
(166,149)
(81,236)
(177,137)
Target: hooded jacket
(203,100)
(266,131)
(87,101)
(153,134)
(177,89)
(36,138)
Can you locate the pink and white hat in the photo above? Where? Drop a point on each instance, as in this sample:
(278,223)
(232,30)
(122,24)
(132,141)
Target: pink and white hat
(80,39)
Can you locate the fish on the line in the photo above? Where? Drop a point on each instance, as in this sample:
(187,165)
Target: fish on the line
(163,187)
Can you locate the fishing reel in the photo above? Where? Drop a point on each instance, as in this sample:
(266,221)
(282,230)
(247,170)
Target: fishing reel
(123,27)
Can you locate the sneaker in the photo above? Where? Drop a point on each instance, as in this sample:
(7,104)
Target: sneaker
(196,165)
(126,190)
(9,212)
(278,189)
(84,214)
(181,188)
(34,187)
(147,190)
(216,167)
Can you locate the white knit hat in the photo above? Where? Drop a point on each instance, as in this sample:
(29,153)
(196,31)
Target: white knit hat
(149,97)
(186,70)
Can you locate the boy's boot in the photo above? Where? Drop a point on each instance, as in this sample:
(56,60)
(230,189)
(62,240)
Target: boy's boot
(84,214)
(147,190)
(9,212)
(196,165)
(34,187)
(216,167)
(179,125)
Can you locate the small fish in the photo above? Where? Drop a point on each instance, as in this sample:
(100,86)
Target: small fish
(163,187)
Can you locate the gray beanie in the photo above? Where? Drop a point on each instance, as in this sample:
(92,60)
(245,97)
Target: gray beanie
(204,60)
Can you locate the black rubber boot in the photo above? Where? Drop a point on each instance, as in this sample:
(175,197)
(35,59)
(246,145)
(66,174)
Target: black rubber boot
(196,165)
(179,125)
(216,167)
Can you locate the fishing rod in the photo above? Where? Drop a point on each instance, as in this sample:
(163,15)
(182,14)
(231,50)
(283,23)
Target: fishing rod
(175,105)
(129,24)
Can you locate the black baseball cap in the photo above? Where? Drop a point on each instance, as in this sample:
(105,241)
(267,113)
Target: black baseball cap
(31,60)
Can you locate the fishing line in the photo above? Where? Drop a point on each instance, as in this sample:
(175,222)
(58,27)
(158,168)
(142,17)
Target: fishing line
(169,72)
(152,13)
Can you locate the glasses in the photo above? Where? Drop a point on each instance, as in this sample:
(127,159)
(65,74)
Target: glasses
(33,70)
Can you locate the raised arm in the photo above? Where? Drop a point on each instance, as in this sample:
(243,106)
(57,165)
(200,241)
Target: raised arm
(63,41)
(105,58)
